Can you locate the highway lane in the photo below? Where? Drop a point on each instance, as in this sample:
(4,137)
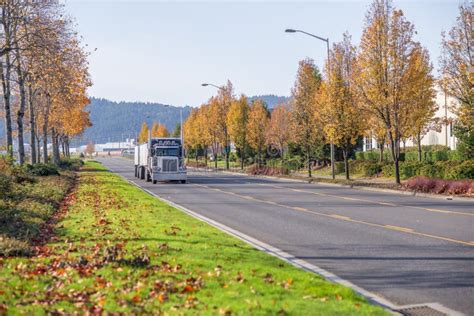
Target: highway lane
(407,249)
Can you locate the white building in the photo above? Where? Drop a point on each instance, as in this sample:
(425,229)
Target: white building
(444,137)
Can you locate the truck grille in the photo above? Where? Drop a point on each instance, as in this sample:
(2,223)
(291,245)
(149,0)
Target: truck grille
(170,165)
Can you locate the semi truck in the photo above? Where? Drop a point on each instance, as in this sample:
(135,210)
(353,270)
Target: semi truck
(160,159)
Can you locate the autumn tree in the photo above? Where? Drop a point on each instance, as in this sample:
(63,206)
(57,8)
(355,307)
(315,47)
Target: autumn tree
(423,107)
(90,149)
(257,127)
(457,70)
(341,112)
(159,130)
(305,127)
(154,129)
(177,131)
(191,132)
(144,133)
(386,50)
(204,130)
(237,123)
(219,110)
(212,114)
(278,130)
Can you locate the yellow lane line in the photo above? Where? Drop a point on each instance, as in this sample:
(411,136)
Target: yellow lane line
(369,201)
(403,229)
(345,218)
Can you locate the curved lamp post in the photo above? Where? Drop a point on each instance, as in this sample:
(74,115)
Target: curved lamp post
(329,65)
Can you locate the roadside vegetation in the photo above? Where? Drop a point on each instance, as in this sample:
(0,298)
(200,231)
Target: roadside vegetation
(117,249)
(29,197)
(382,90)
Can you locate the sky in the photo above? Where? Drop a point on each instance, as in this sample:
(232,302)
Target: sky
(161,51)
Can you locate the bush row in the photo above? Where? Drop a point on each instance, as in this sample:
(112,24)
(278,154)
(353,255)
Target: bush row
(440,186)
(408,169)
(264,170)
(426,155)
(439,169)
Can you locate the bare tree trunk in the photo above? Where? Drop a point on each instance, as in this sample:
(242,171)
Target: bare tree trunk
(227,150)
(38,148)
(346,162)
(5,75)
(382,147)
(21,109)
(395,155)
(45,141)
(418,141)
(55,143)
(32,126)
(308,155)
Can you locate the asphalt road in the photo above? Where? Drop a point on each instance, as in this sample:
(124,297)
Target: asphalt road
(410,250)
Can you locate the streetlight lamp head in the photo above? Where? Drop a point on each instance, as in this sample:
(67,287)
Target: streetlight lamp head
(204,84)
(290,31)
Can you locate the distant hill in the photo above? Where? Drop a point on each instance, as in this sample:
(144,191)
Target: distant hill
(271,100)
(114,121)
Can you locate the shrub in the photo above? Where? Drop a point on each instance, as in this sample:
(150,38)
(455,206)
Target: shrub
(193,163)
(264,170)
(439,186)
(5,185)
(339,167)
(293,163)
(455,155)
(388,170)
(430,170)
(365,167)
(409,169)
(70,163)
(464,170)
(42,169)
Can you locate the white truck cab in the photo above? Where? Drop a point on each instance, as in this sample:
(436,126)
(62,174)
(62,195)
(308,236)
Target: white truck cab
(160,159)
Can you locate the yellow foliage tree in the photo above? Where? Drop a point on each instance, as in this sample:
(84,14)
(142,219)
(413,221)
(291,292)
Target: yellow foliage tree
(306,129)
(457,69)
(384,81)
(237,119)
(278,131)
(159,130)
(257,127)
(144,133)
(341,112)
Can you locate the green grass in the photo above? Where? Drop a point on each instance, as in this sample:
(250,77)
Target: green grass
(25,207)
(118,249)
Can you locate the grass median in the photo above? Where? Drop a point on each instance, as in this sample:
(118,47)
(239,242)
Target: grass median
(118,249)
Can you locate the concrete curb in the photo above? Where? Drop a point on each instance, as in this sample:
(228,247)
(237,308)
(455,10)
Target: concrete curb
(356,187)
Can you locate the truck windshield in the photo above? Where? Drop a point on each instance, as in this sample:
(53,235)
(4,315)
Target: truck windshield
(167,152)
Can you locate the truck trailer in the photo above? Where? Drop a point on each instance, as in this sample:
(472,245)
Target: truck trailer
(160,159)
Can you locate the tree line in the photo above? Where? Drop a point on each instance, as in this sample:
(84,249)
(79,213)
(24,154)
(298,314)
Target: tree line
(383,87)
(44,76)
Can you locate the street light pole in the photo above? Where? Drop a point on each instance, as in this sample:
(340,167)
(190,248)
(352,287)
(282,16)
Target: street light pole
(213,85)
(333,171)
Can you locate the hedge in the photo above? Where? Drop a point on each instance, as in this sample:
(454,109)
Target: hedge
(441,169)
(426,155)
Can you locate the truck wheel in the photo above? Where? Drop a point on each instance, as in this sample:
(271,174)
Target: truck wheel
(155,181)
(183,181)
(136,172)
(148,176)
(142,173)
